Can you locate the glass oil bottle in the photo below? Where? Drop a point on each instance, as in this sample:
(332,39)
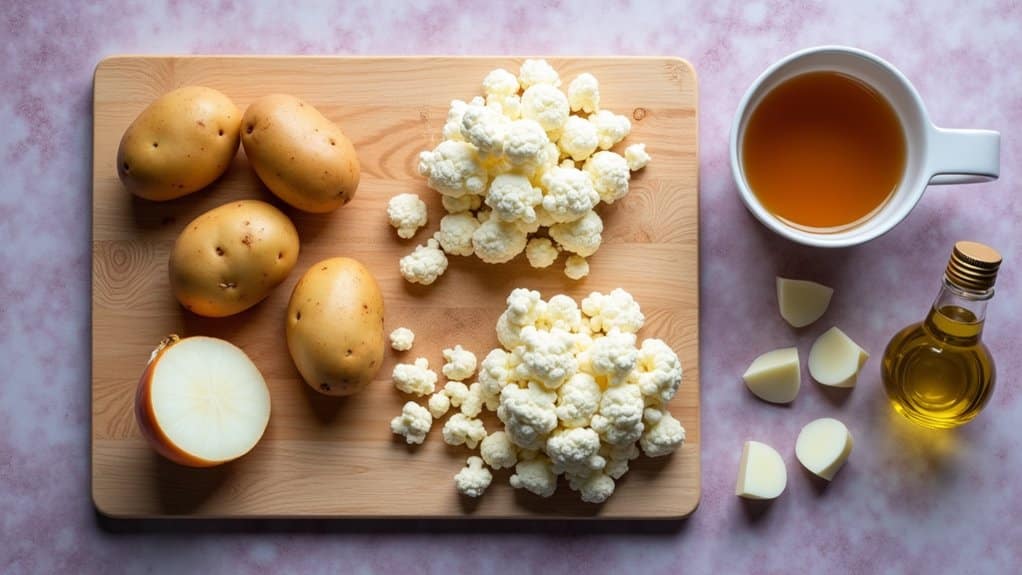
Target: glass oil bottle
(938,373)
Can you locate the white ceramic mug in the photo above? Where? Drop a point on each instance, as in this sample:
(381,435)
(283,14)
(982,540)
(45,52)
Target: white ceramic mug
(934,155)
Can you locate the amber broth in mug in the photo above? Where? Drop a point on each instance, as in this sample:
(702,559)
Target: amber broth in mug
(823,151)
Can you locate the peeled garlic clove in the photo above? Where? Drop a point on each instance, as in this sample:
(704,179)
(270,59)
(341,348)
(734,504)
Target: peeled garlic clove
(802,302)
(835,359)
(775,376)
(761,474)
(823,446)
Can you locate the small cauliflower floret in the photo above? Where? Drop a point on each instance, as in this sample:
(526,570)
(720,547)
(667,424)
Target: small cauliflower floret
(610,175)
(461,204)
(453,169)
(438,404)
(485,127)
(546,105)
(611,128)
(455,235)
(472,404)
(584,94)
(663,435)
(500,82)
(582,236)
(460,363)
(636,157)
(535,476)
(401,339)
(618,309)
(525,145)
(413,424)
(575,451)
(473,479)
(497,451)
(547,356)
(496,242)
(619,420)
(452,127)
(617,458)
(613,356)
(595,488)
(456,391)
(425,264)
(561,313)
(407,213)
(577,400)
(541,252)
(510,105)
(524,307)
(461,429)
(535,72)
(528,414)
(576,267)
(415,378)
(658,371)
(578,138)
(496,371)
(513,198)
(570,194)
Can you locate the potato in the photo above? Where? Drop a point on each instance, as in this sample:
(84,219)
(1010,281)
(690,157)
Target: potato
(301,156)
(231,257)
(335,326)
(180,144)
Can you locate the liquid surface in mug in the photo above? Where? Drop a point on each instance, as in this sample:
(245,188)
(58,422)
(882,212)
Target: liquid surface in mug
(823,151)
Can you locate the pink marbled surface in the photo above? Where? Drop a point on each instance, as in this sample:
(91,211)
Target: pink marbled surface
(907,502)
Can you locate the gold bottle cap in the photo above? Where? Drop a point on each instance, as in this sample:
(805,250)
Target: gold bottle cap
(973,266)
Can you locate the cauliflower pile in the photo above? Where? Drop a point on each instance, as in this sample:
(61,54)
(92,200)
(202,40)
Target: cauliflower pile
(575,392)
(522,169)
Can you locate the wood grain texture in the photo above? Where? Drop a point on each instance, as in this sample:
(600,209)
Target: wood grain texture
(323,457)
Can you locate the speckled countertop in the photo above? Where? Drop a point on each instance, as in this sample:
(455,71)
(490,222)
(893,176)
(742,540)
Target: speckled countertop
(908,501)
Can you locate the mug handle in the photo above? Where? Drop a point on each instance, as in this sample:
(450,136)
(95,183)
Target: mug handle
(964,156)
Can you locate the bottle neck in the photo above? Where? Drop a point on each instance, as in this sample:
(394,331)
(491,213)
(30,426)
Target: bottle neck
(958,314)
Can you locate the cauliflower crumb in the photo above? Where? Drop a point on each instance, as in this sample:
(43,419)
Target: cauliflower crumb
(610,127)
(457,391)
(415,378)
(453,169)
(535,476)
(584,93)
(570,194)
(407,213)
(461,204)
(579,138)
(460,363)
(425,264)
(576,267)
(535,72)
(636,157)
(401,339)
(455,234)
(541,252)
(439,404)
(513,198)
(546,105)
(582,236)
(610,175)
(497,451)
(473,479)
(461,429)
(413,423)
(497,242)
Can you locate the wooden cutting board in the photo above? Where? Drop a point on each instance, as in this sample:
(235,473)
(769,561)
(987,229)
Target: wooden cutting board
(328,458)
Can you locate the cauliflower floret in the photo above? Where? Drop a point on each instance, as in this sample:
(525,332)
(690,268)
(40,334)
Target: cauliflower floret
(611,128)
(663,434)
(577,400)
(584,93)
(575,451)
(546,105)
(455,235)
(496,371)
(576,267)
(496,242)
(561,313)
(510,105)
(500,82)
(566,163)
(636,157)
(425,264)
(513,198)
(617,458)
(578,138)
(472,404)
(401,339)
(582,236)
(415,378)
(452,127)
(460,363)
(413,423)
(461,429)
(525,145)
(547,356)
(616,310)
(473,479)
(407,213)
(595,488)
(535,476)
(613,356)
(456,391)
(438,404)
(497,451)
(541,252)
(485,127)
(528,414)
(535,72)
(619,420)
(524,307)
(453,169)
(610,175)
(461,204)
(570,194)
(658,371)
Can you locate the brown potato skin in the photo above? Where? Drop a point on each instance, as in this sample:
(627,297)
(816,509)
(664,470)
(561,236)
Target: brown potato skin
(334,326)
(180,144)
(231,257)
(301,156)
